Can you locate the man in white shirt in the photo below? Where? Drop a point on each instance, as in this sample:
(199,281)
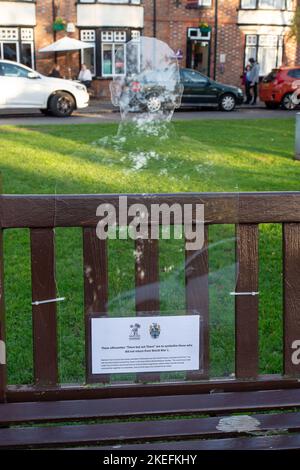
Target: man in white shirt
(85,76)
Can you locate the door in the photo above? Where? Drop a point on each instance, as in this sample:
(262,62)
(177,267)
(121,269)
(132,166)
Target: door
(200,56)
(197,90)
(20,90)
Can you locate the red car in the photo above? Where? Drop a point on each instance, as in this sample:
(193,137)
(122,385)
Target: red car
(277,88)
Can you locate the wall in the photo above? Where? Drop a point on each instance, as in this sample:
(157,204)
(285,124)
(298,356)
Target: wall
(175,17)
(45,35)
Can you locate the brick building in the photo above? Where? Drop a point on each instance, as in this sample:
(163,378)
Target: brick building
(27,25)
(238,29)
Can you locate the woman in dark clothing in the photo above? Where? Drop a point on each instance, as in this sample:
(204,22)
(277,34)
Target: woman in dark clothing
(247,83)
(55,72)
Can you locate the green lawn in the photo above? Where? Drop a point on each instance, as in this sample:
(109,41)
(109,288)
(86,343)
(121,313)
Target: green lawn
(198,156)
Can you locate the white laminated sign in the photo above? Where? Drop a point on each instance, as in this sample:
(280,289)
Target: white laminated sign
(145,344)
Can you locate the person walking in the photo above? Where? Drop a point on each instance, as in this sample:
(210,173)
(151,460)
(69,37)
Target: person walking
(254,78)
(85,76)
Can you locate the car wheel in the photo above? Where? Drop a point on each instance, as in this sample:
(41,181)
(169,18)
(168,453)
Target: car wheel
(287,102)
(228,102)
(62,104)
(271,105)
(153,104)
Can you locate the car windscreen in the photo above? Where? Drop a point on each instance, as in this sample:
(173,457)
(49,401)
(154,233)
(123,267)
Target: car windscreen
(294,73)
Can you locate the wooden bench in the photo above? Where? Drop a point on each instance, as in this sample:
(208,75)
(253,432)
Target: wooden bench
(124,415)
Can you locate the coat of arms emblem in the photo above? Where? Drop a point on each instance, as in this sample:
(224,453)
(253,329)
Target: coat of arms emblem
(154,330)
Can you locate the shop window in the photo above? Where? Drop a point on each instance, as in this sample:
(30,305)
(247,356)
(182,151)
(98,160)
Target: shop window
(273,4)
(27,34)
(205,3)
(269,53)
(107,36)
(113,52)
(9,34)
(88,56)
(132,2)
(267,49)
(135,35)
(17,44)
(27,54)
(10,51)
(251,47)
(87,35)
(120,36)
(267,4)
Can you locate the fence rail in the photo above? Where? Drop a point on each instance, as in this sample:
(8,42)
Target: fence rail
(80,211)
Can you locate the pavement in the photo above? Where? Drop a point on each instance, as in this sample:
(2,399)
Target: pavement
(99,111)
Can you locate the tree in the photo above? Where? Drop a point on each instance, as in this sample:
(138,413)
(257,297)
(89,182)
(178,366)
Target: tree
(295,26)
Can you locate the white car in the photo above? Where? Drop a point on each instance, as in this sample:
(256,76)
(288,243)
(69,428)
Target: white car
(22,87)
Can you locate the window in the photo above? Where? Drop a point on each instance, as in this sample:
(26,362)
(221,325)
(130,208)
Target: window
(295,73)
(106,57)
(195,77)
(27,47)
(12,70)
(17,44)
(88,56)
(205,3)
(113,47)
(248,4)
(275,4)
(135,35)
(27,54)
(10,51)
(267,4)
(9,34)
(266,49)
(132,2)
(251,48)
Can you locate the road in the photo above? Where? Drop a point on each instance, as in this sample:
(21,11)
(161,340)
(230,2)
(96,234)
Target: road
(103,113)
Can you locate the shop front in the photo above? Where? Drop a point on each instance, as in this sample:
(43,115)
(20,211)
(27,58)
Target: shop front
(108,28)
(17,22)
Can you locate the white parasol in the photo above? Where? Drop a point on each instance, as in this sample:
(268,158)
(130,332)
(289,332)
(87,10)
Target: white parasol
(66,44)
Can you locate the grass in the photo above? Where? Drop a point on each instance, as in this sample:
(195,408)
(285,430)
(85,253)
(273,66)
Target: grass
(237,155)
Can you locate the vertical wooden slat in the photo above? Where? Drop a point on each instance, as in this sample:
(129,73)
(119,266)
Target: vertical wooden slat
(95,265)
(2,326)
(197,298)
(44,315)
(291,286)
(246,306)
(147,287)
